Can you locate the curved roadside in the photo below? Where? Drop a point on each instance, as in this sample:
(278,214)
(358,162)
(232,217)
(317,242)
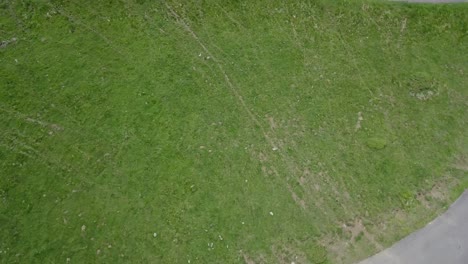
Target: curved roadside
(444,240)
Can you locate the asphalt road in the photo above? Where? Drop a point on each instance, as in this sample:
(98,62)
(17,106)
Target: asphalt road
(443,241)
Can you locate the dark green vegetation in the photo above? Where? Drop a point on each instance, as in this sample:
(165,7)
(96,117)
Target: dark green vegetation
(226,131)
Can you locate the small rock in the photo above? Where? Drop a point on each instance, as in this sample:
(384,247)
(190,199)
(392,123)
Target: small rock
(155,234)
(271,213)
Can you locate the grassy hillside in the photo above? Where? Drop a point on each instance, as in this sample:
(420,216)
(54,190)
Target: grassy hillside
(226,131)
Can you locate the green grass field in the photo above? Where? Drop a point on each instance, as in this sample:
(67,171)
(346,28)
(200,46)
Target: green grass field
(140,131)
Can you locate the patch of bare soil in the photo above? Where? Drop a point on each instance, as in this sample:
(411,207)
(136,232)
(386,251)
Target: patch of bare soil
(287,254)
(357,228)
(359,120)
(356,238)
(339,246)
(282,254)
(5,43)
(439,191)
(422,199)
(247,259)
(272,123)
(296,198)
(461,163)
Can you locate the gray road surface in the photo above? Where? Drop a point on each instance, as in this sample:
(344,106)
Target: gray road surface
(443,241)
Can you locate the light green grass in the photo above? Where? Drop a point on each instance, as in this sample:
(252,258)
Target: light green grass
(148,132)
